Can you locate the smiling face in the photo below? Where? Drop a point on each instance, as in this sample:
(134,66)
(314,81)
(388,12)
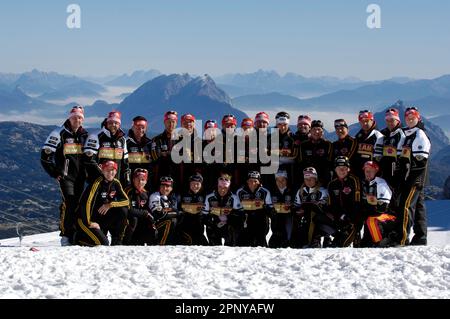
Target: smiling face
(311,182)
(195,186)
(411,121)
(253,184)
(342,171)
(392,123)
(139,130)
(76,121)
(366,124)
(283,127)
(303,128)
(188,125)
(316,133)
(170,125)
(165,189)
(112,126)
(341,132)
(109,174)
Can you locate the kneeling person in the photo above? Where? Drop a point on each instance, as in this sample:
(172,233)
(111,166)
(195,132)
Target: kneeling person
(103,207)
(164,208)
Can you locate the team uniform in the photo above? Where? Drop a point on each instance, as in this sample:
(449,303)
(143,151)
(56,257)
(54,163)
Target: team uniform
(309,202)
(376,196)
(391,151)
(61,156)
(281,219)
(224,218)
(317,154)
(165,210)
(369,145)
(191,225)
(138,152)
(100,147)
(115,220)
(257,208)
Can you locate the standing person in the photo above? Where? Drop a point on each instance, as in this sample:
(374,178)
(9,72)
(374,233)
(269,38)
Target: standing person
(108,144)
(311,200)
(413,164)
(224,217)
(345,144)
(164,206)
(370,142)
(376,196)
(229,152)
(316,152)
(141,227)
(344,202)
(393,140)
(192,164)
(281,220)
(103,207)
(303,128)
(61,157)
(247,148)
(257,204)
(263,136)
(288,150)
(210,168)
(162,145)
(191,225)
(138,145)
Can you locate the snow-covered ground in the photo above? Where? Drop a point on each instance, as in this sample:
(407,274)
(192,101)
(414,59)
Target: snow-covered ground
(225,272)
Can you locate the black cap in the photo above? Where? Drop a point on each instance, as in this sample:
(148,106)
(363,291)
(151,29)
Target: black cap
(196,178)
(317,123)
(254,174)
(339,123)
(283,114)
(341,161)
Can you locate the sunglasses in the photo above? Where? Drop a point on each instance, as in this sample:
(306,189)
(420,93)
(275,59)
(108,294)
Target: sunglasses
(412,108)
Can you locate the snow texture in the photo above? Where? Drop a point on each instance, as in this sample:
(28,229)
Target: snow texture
(227,272)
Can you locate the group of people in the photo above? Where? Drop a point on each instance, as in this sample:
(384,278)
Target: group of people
(364,191)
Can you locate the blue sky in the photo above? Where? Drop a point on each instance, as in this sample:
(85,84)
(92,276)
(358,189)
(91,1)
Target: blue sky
(225,36)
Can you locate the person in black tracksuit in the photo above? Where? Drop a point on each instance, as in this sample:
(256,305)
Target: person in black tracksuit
(370,142)
(247,148)
(191,226)
(393,140)
(139,146)
(228,138)
(375,199)
(61,157)
(345,144)
(103,208)
(264,140)
(344,204)
(288,150)
(162,145)
(224,216)
(281,219)
(413,164)
(257,204)
(107,144)
(192,150)
(211,169)
(164,207)
(316,152)
(311,200)
(141,227)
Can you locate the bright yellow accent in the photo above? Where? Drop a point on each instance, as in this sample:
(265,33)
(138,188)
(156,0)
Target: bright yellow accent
(405,216)
(365,149)
(406,152)
(110,153)
(91,196)
(252,204)
(138,158)
(390,151)
(123,203)
(372,200)
(218,211)
(282,208)
(374,230)
(72,149)
(166,231)
(192,208)
(88,232)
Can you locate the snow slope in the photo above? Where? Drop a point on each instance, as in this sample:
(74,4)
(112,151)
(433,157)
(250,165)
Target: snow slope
(225,272)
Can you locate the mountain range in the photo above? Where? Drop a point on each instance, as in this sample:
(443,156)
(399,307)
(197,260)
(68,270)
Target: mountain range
(50,85)
(179,92)
(136,79)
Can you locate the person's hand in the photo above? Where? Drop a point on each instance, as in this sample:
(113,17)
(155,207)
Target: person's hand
(104,209)
(94,225)
(59,178)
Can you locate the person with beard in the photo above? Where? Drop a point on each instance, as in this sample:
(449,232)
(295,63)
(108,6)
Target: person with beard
(316,152)
(61,158)
(393,140)
(310,200)
(257,203)
(164,207)
(138,145)
(191,226)
(224,216)
(141,228)
(281,219)
(108,144)
(103,208)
